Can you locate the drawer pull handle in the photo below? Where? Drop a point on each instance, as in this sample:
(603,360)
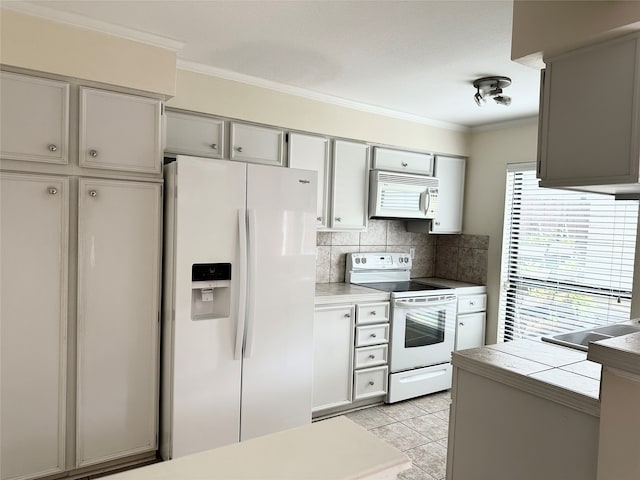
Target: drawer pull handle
(373,335)
(372,383)
(372,356)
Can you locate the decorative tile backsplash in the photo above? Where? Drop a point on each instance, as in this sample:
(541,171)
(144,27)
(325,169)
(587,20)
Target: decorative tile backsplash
(392,236)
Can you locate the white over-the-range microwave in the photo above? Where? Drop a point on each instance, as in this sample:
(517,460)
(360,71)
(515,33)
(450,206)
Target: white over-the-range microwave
(402,195)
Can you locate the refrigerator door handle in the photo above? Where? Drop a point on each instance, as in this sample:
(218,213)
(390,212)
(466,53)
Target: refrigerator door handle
(242,284)
(251,278)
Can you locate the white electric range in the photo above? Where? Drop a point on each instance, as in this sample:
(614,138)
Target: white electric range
(422,323)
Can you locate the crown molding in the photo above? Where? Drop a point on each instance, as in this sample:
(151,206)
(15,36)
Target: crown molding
(80,21)
(320,97)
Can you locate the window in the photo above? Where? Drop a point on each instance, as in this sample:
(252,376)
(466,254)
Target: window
(567,258)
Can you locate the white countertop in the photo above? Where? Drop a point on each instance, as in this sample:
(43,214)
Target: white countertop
(331,449)
(619,352)
(328,293)
(550,371)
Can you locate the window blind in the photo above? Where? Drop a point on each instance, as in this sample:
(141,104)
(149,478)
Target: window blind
(567,258)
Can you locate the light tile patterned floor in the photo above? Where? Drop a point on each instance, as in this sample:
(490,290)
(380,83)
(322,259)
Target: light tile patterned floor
(418,427)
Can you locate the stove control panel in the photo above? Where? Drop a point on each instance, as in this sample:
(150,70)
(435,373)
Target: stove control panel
(378,261)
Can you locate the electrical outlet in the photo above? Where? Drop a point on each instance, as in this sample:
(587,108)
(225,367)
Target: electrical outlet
(412,252)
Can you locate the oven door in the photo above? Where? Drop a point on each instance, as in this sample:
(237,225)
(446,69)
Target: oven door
(422,331)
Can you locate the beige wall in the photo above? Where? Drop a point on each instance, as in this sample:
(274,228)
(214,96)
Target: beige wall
(41,45)
(545,28)
(491,151)
(217,96)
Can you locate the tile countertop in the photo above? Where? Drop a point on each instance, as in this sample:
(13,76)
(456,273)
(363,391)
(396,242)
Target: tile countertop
(622,352)
(556,373)
(329,293)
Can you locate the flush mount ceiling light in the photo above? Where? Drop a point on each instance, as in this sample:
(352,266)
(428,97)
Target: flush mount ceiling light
(491,87)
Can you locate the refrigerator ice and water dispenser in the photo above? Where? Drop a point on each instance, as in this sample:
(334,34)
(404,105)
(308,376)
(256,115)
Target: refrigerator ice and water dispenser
(210,290)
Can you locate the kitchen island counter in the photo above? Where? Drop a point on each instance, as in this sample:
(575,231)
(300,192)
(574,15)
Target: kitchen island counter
(332,449)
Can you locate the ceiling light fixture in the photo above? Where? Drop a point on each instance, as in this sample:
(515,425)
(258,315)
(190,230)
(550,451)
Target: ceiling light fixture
(491,87)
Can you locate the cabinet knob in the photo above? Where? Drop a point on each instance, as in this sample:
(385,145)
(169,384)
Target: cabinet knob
(347,315)
(93,153)
(53,191)
(461,324)
(338,219)
(93,193)
(319,219)
(373,335)
(372,383)
(372,312)
(437,223)
(52,147)
(404,164)
(472,303)
(214,145)
(372,356)
(239,149)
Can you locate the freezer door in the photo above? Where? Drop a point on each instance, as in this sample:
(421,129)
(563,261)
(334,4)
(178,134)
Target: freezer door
(208,217)
(276,379)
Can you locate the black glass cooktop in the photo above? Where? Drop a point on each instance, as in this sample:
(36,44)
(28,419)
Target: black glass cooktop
(401,286)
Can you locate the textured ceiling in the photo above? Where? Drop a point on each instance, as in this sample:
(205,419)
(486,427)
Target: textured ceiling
(416,58)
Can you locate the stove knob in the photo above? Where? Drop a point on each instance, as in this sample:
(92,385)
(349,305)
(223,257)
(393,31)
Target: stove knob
(364,260)
(406,259)
(357,259)
(401,260)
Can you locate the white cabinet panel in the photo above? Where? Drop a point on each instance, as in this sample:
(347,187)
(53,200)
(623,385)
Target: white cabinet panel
(371,382)
(309,152)
(118,276)
(332,356)
(450,173)
(33,311)
(350,186)
(470,330)
(472,303)
(250,143)
(34,119)
(372,312)
(372,335)
(194,135)
(401,161)
(371,356)
(119,132)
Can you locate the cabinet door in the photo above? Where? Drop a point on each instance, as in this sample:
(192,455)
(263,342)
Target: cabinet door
(34,119)
(401,161)
(350,186)
(33,286)
(194,135)
(332,356)
(450,172)
(470,330)
(312,153)
(118,291)
(119,132)
(250,143)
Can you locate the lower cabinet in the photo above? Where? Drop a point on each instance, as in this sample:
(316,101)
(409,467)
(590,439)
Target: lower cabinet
(350,355)
(115,330)
(471,319)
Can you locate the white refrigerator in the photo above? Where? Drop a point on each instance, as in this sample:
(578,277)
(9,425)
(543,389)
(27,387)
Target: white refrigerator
(239,283)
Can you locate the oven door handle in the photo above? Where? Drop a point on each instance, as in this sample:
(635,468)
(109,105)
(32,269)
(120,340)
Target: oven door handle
(405,304)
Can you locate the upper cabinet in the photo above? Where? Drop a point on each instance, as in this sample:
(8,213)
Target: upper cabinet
(310,152)
(34,119)
(119,131)
(188,134)
(250,143)
(402,161)
(350,182)
(589,134)
(450,173)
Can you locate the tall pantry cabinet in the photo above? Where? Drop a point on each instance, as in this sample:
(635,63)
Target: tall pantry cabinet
(80,243)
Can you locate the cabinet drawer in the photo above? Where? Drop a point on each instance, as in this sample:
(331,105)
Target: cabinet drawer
(371,356)
(370,382)
(372,312)
(372,335)
(401,161)
(472,303)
